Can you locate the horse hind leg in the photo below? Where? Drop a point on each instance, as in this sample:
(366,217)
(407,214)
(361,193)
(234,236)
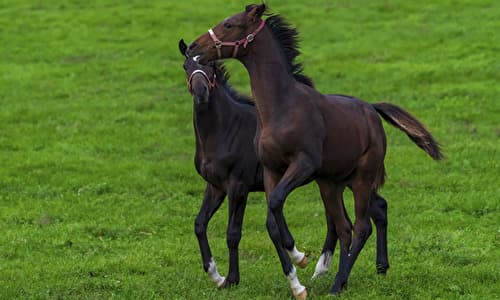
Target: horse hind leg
(378,213)
(211,202)
(362,231)
(332,196)
(325,259)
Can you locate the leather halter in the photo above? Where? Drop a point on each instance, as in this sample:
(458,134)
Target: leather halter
(244,41)
(211,83)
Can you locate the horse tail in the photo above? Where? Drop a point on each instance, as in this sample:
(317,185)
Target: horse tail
(415,130)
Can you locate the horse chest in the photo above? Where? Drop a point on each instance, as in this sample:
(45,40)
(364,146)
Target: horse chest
(273,152)
(213,170)
(278,146)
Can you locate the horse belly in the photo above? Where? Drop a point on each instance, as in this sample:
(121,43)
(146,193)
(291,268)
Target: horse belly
(341,153)
(337,168)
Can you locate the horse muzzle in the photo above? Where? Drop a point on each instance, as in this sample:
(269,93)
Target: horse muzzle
(201,95)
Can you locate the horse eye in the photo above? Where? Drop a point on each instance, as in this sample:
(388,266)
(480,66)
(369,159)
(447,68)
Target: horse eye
(227,25)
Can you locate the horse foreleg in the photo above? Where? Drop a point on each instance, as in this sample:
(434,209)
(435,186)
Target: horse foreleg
(288,242)
(211,202)
(298,172)
(237,194)
(299,291)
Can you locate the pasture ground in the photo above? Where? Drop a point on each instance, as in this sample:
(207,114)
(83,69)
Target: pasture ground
(98,192)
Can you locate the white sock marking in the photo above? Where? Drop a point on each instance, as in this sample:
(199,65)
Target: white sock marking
(297,288)
(214,274)
(295,255)
(323,264)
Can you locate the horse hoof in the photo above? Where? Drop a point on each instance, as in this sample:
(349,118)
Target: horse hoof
(221,283)
(302,295)
(382,269)
(335,292)
(303,263)
(337,289)
(228,284)
(317,274)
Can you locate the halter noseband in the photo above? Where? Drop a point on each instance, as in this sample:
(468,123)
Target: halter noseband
(244,41)
(211,83)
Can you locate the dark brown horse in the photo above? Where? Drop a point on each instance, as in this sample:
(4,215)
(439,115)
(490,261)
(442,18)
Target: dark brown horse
(225,124)
(214,99)
(303,135)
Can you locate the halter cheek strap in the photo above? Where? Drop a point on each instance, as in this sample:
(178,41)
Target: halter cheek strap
(211,83)
(244,41)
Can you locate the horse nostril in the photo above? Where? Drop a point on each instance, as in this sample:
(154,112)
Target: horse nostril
(191,46)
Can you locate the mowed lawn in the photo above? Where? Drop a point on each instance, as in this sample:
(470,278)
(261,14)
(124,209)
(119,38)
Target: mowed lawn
(98,191)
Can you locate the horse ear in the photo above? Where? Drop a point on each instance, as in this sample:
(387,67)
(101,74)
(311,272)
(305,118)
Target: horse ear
(254,11)
(182,47)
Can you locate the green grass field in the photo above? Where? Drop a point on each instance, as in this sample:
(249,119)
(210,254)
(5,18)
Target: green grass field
(98,190)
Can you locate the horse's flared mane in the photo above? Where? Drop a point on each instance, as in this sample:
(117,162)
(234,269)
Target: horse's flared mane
(223,78)
(288,38)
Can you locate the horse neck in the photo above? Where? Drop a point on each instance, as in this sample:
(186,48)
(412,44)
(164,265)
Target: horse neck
(215,118)
(270,75)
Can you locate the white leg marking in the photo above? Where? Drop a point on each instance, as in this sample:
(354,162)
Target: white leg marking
(295,255)
(214,274)
(323,264)
(297,288)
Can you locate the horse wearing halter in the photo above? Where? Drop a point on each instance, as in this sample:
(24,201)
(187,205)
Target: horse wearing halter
(211,83)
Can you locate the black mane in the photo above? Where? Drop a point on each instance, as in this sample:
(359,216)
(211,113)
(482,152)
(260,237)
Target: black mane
(223,78)
(288,38)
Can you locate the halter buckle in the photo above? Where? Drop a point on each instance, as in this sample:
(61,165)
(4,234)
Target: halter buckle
(218,44)
(250,37)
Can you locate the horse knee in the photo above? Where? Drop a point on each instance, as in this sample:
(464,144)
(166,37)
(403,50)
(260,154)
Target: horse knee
(344,235)
(199,227)
(363,230)
(233,239)
(368,229)
(272,229)
(275,201)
